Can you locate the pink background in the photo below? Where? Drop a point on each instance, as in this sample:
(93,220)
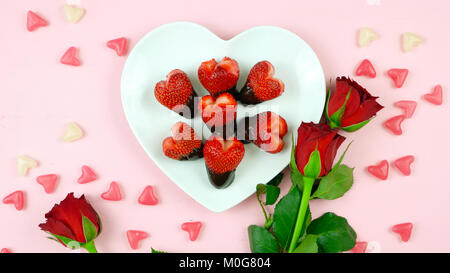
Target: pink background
(38,96)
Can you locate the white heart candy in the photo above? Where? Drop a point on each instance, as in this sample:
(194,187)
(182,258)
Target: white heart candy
(411,40)
(366,35)
(24,163)
(73,132)
(73,13)
(373,247)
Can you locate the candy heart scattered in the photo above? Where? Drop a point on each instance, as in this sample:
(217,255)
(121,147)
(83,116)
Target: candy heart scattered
(35,21)
(5,250)
(193,228)
(360,247)
(48,181)
(373,247)
(24,163)
(184,143)
(410,40)
(435,97)
(73,132)
(119,45)
(148,197)
(403,164)
(394,124)
(366,35)
(113,193)
(87,175)
(398,76)
(380,171)
(219,77)
(408,107)
(70,57)
(404,230)
(135,236)
(366,69)
(16,198)
(73,13)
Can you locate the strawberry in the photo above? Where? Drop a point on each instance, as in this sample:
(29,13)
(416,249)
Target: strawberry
(176,93)
(261,85)
(219,113)
(220,77)
(184,143)
(222,158)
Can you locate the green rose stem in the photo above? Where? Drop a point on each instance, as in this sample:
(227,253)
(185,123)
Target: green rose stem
(90,247)
(307,187)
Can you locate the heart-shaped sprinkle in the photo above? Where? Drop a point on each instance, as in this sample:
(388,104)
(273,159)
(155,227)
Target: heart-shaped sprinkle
(398,76)
(135,236)
(5,250)
(403,164)
(16,198)
(404,230)
(366,69)
(119,45)
(410,40)
(70,57)
(408,107)
(435,97)
(193,228)
(73,132)
(87,175)
(24,163)
(35,21)
(360,247)
(148,197)
(48,181)
(366,35)
(73,13)
(380,171)
(394,124)
(113,193)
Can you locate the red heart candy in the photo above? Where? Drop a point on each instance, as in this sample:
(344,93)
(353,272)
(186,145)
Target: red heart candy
(87,175)
(48,181)
(16,198)
(404,230)
(113,193)
(398,75)
(135,236)
(403,164)
(380,171)
(70,57)
(193,228)
(408,107)
(5,250)
(148,197)
(366,69)
(360,247)
(435,97)
(35,21)
(119,45)
(394,124)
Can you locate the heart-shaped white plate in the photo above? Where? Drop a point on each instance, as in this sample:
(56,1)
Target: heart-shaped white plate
(184,46)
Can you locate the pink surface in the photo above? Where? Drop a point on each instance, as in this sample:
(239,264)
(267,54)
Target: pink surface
(39,95)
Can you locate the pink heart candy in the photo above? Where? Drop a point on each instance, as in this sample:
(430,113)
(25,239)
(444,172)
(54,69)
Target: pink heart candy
(435,97)
(193,228)
(35,21)
(16,198)
(119,45)
(148,197)
(408,107)
(113,193)
(360,247)
(87,175)
(5,250)
(404,230)
(398,76)
(380,171)
(135,236)
(48,181)
(394,124)
(366,69)
(70,57)
(403,164)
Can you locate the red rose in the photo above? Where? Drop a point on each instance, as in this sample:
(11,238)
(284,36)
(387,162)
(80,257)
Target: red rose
(350,106)
(316,149)
(73,220)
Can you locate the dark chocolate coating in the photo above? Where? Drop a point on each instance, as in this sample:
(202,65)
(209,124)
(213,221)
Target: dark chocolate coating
(196,153)
(247,96)
(246,125)
(220,181)
(225,131)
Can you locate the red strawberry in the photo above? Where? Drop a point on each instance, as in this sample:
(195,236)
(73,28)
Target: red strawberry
(220,77)
(217,113)
(184,144)
(222,158)
(261,85)
(176,93)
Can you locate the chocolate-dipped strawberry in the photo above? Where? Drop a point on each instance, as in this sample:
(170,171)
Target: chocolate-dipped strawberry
(219,114)
(222,157)
(176,93)
(219,77)
(265,129)
(261,85)
(184,143)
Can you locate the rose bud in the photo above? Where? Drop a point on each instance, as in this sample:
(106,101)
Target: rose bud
(350,106)
(74,223)
(316,149)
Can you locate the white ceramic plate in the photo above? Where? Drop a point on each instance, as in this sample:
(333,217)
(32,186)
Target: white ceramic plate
(184,46)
